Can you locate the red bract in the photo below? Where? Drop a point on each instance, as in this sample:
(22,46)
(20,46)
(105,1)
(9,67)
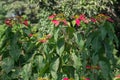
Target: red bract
(66,78)
(88,67)
(26,23)
(82,17)
(118,76)
(93,20)
(77,21)
(56,22)
(52,16)
(30,35)
(110,19)
(86,21)
(8,22)
(65,22)
(48,36)
(43,40)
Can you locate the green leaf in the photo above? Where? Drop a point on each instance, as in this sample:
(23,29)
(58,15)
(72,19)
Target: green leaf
(105,68)
(95,59)
(26,72)
(2,31)
(79,40)
(70,31)
(39,62)
(15,52)
(103,32)
(56,33)
(60,46)
(54,67)
(110,30)
(73,23)
(7,64)
(116,40)
(26,31)
(29,47)
(55,64)
(5,77)
(14,49)
(69,70)
(96,44)
(44,69)
(15,73)
(109,51)
(89,40)
(76,61)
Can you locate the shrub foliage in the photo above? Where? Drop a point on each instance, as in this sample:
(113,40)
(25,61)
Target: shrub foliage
(54,40)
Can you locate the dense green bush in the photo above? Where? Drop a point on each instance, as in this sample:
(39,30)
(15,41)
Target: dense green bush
(68,7)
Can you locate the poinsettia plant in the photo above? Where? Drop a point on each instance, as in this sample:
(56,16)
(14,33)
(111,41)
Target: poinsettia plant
(93,44)
(75,48)
(76,44)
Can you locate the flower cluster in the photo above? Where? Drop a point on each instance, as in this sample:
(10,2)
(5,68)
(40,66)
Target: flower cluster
(117,77)
(56,19)
(102,17)
(26,23)
(30,35)
(8,22)
(80,18)
(18,19)
(45,38)
(93,67)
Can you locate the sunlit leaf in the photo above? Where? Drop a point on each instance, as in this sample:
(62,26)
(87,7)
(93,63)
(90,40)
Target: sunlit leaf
(7,64)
